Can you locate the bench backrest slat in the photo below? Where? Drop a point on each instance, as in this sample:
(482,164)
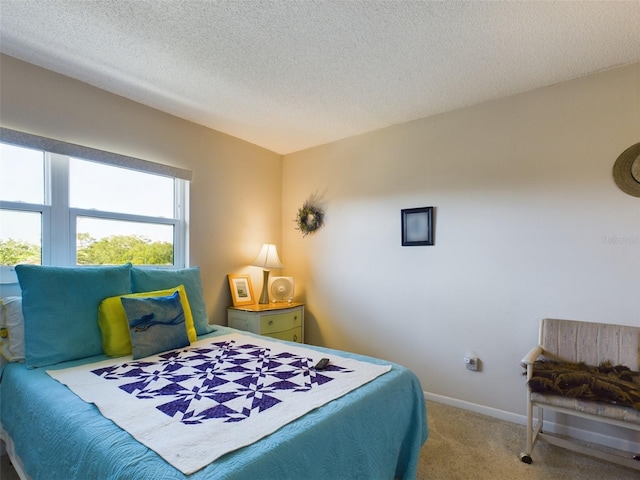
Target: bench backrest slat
(591,343)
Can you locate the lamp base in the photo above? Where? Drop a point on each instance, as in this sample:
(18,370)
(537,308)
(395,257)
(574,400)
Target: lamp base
(264,297)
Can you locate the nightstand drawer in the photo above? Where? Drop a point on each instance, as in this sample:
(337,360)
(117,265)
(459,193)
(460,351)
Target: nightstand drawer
(240,324)
(280,322)
(293,335)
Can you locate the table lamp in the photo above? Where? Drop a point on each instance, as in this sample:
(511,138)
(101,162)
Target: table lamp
(266,259)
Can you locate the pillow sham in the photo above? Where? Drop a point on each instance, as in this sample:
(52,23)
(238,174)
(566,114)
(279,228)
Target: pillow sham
(11,329)
(60,307)
(112,320)
(156,324)
(149,279)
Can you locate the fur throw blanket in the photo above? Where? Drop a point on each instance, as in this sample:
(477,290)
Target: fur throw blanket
(606,383)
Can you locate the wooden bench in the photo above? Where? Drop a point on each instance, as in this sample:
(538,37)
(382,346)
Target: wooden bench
(593,344)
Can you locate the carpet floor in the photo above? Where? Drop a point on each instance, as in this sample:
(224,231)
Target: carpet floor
(464,445)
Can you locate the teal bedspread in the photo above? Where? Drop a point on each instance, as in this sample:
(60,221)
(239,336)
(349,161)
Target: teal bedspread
(374,432)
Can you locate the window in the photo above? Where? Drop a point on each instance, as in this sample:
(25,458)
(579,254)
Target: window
(62,209)
(22,193)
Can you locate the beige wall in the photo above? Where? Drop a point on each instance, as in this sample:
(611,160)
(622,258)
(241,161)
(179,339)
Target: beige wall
(236,188)
(529,224)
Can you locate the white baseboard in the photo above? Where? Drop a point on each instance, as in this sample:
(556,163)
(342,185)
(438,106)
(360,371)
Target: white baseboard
(551,427)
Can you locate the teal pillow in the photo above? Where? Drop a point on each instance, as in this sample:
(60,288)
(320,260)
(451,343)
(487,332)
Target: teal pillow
(149,279)
(156,324)
(60,307)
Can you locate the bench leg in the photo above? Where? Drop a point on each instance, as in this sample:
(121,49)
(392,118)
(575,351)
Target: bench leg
(532,432)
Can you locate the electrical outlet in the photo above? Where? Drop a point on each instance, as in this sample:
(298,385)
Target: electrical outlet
(471,363)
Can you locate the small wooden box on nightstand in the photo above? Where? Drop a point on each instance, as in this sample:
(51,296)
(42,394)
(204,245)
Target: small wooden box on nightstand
(278,320)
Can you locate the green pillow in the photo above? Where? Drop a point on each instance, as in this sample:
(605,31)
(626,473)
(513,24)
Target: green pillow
(112,320)
(149,279)
(60,307)
(156,324)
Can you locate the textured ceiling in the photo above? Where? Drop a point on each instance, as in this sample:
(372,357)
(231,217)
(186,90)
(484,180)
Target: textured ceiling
(288,75)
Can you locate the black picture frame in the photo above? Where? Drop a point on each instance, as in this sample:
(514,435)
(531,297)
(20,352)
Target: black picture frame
(417,226)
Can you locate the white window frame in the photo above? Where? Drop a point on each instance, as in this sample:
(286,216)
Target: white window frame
(8,273)
(59,219)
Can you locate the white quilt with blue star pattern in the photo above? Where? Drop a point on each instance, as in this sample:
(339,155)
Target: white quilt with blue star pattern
(195,404)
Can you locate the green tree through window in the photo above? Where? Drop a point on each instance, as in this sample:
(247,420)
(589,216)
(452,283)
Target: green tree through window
(119,249)
(114,250)
(13,252)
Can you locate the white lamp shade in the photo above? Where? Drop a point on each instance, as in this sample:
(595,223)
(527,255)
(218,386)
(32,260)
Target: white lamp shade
(268,257)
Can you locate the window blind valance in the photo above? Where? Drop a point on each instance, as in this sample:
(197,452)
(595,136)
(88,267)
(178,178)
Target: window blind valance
(29,140)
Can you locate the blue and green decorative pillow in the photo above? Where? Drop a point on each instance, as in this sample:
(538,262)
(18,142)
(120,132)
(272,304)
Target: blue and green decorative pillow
(114,326)
(156,324)
(149,279)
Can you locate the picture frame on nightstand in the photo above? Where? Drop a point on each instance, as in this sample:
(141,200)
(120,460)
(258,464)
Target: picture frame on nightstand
(241,290)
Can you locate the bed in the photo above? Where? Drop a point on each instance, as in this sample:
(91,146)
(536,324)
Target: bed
(374,431)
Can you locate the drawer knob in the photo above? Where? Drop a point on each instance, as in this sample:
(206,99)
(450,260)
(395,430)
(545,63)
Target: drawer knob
(270,322)
(295,338)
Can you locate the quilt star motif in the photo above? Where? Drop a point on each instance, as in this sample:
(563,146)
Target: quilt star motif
(227,380)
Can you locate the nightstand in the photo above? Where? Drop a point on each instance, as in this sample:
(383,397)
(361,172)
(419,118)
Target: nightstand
(278,320)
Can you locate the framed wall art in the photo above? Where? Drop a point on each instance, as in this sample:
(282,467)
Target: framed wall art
(241,290)
(417,226)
